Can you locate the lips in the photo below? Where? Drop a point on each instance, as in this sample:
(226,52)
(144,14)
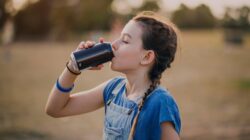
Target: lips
(113,58)
(113,50)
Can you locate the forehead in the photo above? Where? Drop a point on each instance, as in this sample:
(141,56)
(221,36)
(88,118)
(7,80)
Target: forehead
(133,29)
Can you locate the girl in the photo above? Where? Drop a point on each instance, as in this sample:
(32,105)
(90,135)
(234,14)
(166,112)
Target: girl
(136,106)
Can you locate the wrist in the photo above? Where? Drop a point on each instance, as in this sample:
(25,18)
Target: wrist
(63,89)
(70,67)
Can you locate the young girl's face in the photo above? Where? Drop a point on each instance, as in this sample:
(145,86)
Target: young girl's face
(128,49)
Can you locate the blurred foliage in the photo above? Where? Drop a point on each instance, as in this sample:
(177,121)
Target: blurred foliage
(236,22)
(237,18)
(31,22)
(3,13)
(149,6)
(244,84)
(200,17)
(59,19)
(79,17)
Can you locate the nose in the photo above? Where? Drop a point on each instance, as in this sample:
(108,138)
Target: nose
(114,45)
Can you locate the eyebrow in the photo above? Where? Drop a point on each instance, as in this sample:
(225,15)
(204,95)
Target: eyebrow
(127,35)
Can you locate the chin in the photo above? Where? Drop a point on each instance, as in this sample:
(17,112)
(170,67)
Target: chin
(111,65)
(114,67)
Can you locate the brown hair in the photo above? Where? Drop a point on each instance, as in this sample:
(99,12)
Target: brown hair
(159,35)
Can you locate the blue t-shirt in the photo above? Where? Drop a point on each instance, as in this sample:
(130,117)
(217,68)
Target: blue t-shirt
(159,107)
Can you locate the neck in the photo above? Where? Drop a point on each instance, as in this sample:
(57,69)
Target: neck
(137,83)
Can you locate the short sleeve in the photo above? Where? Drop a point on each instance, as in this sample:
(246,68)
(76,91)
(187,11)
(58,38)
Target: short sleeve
(107,93)
(169,112)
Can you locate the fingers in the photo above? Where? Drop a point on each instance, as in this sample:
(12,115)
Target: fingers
(101,39)
(99,67)
(89,44)
(85,45)
(81,45)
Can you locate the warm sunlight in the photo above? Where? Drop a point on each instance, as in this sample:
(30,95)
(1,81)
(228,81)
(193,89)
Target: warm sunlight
(217,6)
(13,6)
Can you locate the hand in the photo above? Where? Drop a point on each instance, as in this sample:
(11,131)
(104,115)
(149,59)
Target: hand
(86,45)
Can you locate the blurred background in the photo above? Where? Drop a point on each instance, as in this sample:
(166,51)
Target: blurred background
(210,77)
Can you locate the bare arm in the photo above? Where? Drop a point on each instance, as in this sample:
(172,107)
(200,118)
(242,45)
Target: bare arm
(168,132)
(64,104)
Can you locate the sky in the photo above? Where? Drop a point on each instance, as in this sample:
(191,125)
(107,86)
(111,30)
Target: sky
(124,6)
(217,6)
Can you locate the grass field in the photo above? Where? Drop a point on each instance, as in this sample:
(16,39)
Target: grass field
(209,80)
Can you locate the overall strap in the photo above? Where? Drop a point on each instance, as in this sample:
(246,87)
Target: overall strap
(116,90)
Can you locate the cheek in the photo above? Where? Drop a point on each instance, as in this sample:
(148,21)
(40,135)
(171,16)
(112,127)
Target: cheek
(127,59)
(129,52)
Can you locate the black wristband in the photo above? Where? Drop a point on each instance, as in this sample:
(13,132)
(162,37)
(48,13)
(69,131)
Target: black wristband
(71,70)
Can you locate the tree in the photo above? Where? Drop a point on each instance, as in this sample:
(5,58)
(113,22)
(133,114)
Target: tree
(33,21)
(237,18)
(184,17)
(149,6)
(61,18)
(200,17)
(236,22)
(204,17)
(3,13)
(244,17)
(90,15)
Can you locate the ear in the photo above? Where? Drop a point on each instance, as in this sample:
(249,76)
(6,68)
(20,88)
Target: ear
(148,57)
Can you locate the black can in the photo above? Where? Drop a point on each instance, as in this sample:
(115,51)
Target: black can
(98,54)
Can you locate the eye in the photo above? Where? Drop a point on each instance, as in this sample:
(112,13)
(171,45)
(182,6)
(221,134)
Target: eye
(126,42)
(124,39)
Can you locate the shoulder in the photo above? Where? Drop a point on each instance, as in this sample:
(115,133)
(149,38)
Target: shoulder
(162,95)
(167,107)
(110,86)
(113,82)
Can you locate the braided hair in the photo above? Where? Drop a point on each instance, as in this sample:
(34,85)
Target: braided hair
(161,37)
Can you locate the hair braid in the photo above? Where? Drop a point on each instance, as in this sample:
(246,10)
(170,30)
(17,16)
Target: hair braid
(141,104)
(161,37)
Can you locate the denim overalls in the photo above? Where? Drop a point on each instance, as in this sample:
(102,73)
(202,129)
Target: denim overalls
(119,119)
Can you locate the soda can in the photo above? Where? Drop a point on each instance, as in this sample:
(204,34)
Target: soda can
(98,54)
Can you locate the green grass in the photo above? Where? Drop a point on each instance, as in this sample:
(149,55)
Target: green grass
(199,79)
(244,84)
